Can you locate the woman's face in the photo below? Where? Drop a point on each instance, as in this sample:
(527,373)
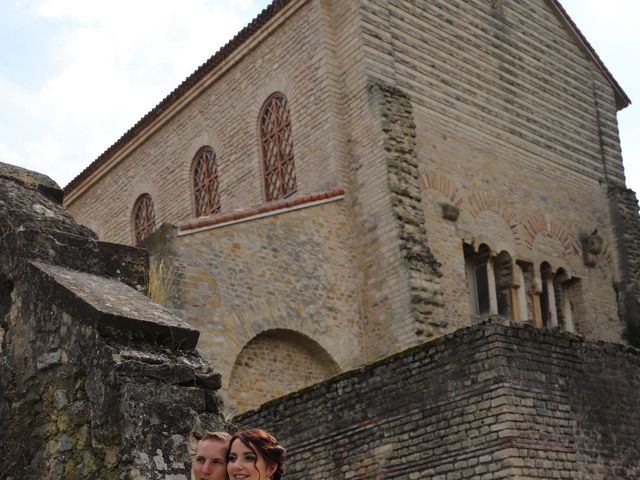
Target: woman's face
(209,462)
(247,464)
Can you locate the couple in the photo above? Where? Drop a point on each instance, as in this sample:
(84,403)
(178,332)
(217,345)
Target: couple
(248,455)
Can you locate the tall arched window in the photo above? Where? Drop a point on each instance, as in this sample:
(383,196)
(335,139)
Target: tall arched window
(144,218)
(277,148)
(205,182)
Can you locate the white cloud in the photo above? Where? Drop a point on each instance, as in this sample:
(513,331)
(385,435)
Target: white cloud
(113,61)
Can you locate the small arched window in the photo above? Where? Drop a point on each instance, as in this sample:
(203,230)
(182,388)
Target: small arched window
(277,148)
(144,218)
(205,182)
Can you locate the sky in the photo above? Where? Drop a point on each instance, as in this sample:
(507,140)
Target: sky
(77,74)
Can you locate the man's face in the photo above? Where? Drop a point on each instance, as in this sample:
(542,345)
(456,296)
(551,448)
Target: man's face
(210,461)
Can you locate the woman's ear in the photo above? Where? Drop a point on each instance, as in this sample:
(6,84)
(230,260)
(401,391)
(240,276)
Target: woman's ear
(271,469)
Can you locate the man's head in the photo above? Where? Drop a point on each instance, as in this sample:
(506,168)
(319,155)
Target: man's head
(210,461)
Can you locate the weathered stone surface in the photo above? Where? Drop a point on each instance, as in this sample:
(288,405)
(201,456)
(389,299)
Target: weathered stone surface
(113,307)
(98,382)
(624,207)
(29,200)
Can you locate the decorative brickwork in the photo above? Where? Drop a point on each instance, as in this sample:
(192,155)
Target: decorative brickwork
(398,127)
(490,401)
(441,183)
(540,223)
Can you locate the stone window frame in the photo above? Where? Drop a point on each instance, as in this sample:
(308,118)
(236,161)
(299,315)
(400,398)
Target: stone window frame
(276,147)
(497,286)
(206,189)
(143,218)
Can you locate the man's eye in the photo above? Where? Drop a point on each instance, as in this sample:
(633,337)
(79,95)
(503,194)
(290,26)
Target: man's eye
(199,459)
(218,461)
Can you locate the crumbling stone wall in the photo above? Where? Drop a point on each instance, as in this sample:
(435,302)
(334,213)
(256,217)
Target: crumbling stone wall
(495,400)
(97,381)
(423,270)
(624,205)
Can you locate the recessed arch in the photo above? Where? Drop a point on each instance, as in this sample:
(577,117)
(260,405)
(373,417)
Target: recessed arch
(541,224)
(274,363)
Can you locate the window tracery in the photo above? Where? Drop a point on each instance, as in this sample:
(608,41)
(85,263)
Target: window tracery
(206,189)
(277,148)
(144,220)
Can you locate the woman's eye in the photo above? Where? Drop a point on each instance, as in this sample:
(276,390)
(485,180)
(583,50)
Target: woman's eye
(250,458)
(232,458)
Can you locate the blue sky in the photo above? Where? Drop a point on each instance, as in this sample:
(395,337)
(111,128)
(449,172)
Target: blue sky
(76,74)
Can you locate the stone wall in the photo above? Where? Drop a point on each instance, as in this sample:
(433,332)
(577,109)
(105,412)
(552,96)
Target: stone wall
(98,382)
(624,205)
(283,272)
(495,400)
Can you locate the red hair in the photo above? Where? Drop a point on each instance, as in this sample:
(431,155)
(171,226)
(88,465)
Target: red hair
(266,445)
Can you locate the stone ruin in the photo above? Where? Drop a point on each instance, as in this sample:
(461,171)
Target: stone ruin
(98,382)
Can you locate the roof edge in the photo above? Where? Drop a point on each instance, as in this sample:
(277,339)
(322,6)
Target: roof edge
(167,102)
(622,99)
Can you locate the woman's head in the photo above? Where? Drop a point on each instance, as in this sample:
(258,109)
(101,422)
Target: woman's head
(255,455)
(210,462)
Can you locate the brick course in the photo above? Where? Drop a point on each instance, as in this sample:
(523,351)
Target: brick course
(495,400)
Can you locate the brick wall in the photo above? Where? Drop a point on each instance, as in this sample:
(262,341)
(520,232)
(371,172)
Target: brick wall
(291,60)
(516,127)
(494,400)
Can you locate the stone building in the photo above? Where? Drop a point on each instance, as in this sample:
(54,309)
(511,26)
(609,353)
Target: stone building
(348,178)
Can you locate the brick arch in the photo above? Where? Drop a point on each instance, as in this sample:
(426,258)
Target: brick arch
(542,224)
(485,202)
(274,363)
(441,183)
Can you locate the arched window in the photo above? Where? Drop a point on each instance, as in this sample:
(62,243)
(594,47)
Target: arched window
(144,218)
(277,148)
(205,182)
